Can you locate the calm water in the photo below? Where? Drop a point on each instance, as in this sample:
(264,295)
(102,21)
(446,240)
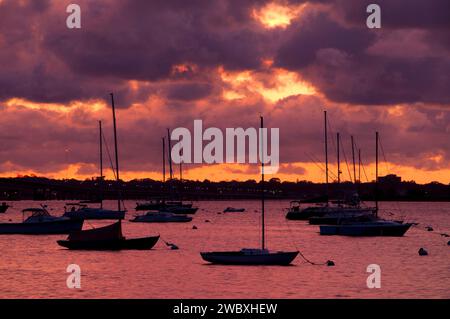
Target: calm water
(35,266)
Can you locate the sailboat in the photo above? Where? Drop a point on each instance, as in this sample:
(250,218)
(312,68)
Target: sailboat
(82,211)
(171,206)
(109,237)
(371,227)
(161,215)
(330,212)
(253,256)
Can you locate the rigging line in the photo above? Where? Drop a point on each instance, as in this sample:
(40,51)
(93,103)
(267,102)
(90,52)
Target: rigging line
(319,165)
(112,165)
(364,170)
(346,162)
(109,156)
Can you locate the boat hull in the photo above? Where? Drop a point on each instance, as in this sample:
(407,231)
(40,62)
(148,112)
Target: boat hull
(44,228)
(175,219)
(145,243)
(3,208)
(182,210)
(96,215)
(365,230)
(318,212)
(238,258)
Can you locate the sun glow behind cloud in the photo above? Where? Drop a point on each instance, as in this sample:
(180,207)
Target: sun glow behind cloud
(275,85)
(276,15)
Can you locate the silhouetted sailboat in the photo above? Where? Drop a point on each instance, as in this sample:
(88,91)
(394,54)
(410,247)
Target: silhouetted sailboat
(109,237)
(82,211)
(329,211)
(253,256)
(371,227)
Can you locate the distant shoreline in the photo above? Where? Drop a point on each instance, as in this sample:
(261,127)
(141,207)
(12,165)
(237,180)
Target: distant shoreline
(42,189)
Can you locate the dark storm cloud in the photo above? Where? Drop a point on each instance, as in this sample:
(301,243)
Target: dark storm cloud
(336,56)
(127,40)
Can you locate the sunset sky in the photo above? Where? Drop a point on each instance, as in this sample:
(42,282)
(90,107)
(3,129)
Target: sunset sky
(225,62)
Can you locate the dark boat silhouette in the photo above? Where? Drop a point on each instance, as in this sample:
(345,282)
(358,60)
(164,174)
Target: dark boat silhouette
(161,217)
(40,222)
(372,228)
(106,238)
(3,208)
(233,210)
(82,211)
(253,256)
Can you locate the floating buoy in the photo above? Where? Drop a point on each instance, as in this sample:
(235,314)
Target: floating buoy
(173,247)
(219,213)
(448,243)
(194,227)
(207,221)
(423,252)
(429,228)
(330,263)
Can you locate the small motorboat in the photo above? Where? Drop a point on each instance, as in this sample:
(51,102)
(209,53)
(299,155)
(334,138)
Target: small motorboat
(161,217)
(82,211)
(40,222)
(106,238)
(3,208)
(371,228)
(233,210)
(249,256)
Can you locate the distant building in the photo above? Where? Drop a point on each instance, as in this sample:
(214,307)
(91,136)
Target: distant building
(390,179)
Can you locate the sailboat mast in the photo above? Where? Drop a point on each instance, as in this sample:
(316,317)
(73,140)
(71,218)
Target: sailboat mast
(338,159)
(359,166)
(164,158)
(263,244)
(115,148)
(353,156)
(100,183)
(376,174)
(170,155)
(181,173)
(326,154)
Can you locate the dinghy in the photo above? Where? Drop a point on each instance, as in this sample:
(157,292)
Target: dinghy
(251,256)
(40,222)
